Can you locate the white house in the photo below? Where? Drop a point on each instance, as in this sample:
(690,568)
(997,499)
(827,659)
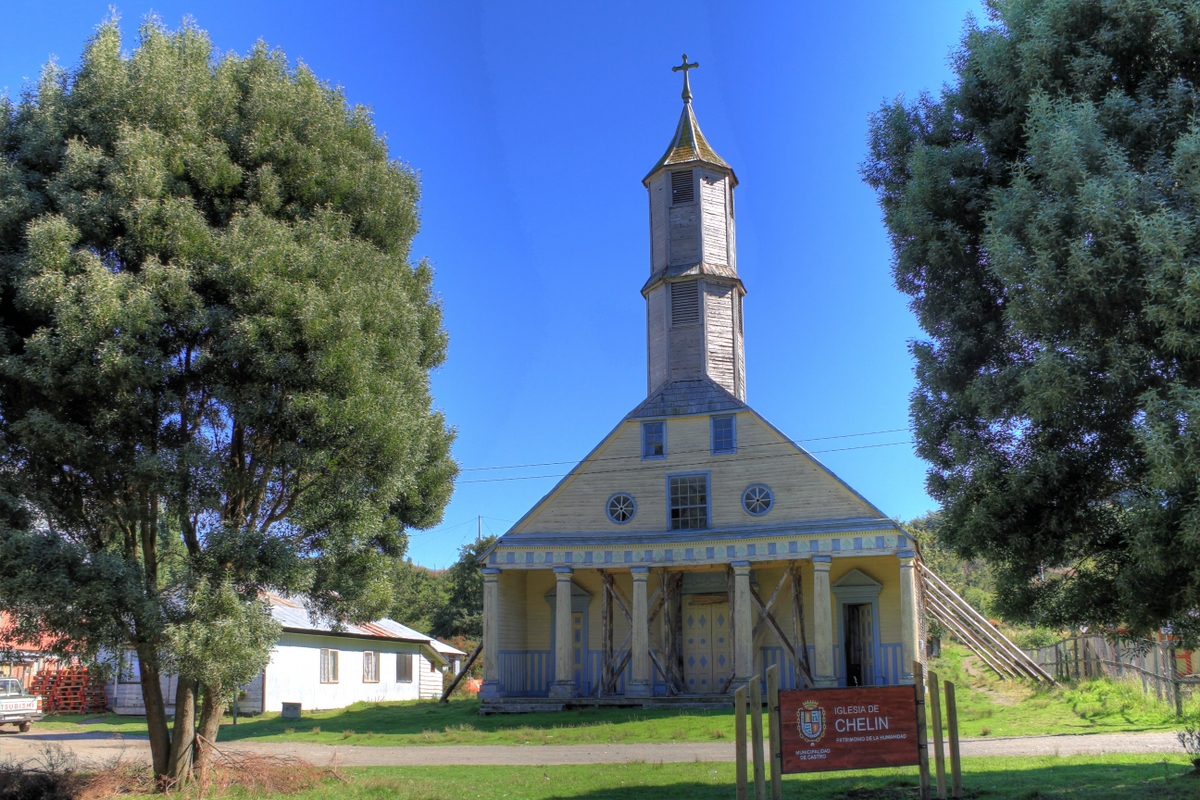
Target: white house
(320,668)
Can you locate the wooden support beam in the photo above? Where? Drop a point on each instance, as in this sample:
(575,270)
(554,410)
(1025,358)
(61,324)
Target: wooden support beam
(458,678)
(950,621)
(803,667)
(1016,654)
(977,640)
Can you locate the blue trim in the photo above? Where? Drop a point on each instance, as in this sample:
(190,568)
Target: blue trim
(608,514)
(642,442)
(906,554)
(563,571)
(823,559)
(781,530)
(712,434)
(491,570)
(707,499)
(770,496)
(640,570)
(739,563)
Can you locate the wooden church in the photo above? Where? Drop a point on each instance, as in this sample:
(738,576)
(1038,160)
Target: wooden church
(696,544)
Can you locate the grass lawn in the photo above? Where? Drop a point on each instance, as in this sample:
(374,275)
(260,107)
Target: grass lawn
(1124,777)
(987,705)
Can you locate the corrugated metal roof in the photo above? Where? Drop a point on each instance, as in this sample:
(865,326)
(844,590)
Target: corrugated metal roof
(291,613)
(689,145)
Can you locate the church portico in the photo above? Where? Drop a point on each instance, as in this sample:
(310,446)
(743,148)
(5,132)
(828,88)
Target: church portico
(696,545)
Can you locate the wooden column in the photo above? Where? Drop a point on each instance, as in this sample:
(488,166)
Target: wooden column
(908,610)
(641,683)
(743,631)
(822,623)
(564,673)
(491,688)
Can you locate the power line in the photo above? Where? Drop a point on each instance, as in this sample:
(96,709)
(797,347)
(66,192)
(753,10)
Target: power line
(683,452)
(726,460)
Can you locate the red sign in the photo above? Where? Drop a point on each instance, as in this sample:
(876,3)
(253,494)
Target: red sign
(828,729)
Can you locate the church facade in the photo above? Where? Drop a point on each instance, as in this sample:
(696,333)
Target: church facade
(696,545)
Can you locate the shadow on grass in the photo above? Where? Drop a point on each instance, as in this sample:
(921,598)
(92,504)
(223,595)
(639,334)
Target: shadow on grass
(418,717)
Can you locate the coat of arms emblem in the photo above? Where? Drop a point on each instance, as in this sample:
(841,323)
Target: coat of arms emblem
(810,720)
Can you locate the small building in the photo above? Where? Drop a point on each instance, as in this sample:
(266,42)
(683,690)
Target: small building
(696,545)
(321,668)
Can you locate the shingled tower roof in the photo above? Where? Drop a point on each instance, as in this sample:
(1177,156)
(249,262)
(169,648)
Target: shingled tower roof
(688,145)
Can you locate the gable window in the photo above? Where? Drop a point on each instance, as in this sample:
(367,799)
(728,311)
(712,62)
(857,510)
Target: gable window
(757,499)
(329,666)
(724,435)
(621,508)
(688,496)
(685,303)
(654,439)
(403,667)
(683,187)
(370,667)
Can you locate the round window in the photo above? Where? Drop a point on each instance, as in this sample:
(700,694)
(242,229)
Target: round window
(757,500)
(621,508)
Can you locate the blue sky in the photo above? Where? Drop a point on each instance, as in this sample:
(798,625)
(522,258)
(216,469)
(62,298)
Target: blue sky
(532,125)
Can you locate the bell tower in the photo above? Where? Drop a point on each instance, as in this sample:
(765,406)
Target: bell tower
(694,295)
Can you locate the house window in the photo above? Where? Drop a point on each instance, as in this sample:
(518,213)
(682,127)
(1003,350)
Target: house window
(654,439)
(403,667)
(689,501)
(683,187)
(685,303)
(724,435)
(329,667)
(370,667)
(130,668)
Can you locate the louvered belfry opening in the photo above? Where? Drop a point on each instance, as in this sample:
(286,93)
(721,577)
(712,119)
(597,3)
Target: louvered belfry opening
(683,187)
(685,303)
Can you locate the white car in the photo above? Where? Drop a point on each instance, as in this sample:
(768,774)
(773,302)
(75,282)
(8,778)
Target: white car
(18,707)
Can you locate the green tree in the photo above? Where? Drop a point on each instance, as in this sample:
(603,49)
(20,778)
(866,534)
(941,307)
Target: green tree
(418,594)
(214,360)
(1043,216)
(462,614)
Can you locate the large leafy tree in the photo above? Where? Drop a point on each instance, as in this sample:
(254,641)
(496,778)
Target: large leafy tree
(214,360)
(1043,212)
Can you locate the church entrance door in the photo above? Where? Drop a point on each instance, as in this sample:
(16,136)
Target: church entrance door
(859,627)
(706,646)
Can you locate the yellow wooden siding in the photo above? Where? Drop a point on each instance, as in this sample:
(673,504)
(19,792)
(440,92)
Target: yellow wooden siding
(803,491)
(513,601)
(537,610)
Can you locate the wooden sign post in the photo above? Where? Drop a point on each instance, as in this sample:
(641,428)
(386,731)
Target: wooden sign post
(935,720)
(956,789)
(922,738)
(739,729)
(756,739)
(773,729)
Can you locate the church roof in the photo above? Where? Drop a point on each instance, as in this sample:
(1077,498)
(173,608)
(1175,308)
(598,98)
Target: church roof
(687,396)
(689,145)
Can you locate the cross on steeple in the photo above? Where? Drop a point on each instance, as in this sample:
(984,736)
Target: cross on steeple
(685,66)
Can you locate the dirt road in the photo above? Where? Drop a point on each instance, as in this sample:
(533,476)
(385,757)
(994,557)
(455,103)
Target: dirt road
(92,747)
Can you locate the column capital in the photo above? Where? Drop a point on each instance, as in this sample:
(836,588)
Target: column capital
(740,567)
(561,571)
(822,563)
(490,572)
(639,573)
(906,556)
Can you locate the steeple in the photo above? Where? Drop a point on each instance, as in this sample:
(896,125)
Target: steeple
(694,295)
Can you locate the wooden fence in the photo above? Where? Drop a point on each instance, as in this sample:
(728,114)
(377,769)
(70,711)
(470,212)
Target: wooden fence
(1155,664)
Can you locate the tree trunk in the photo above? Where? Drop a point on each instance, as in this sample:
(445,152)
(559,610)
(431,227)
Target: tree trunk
(156,711)
(183,738)
(211,707)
